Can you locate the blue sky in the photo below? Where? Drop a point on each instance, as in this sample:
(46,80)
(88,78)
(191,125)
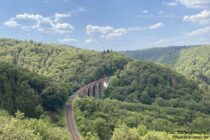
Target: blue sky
(107,24)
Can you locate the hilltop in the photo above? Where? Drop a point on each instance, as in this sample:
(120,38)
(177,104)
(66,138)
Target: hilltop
(73,66)
(165,55)
(192,61)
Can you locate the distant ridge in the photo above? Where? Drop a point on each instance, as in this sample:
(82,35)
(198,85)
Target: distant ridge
(193,61)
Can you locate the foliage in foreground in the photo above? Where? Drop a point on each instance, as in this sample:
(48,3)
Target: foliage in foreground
(99,118)
(20,128)
(141,133)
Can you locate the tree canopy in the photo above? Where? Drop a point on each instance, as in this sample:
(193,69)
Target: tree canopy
(28,92)
(73,66)
(192,61)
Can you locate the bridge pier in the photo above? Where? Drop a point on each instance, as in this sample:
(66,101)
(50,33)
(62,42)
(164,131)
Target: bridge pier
(97,92)
(94,89)
(90,92)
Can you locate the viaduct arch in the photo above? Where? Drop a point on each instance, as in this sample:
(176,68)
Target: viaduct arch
(94,89)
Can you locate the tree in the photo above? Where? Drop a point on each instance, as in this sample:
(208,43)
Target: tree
(19,115)
(153,135)
(123,132)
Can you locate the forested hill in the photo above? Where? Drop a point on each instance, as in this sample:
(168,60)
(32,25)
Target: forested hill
(150,83)
(28,92)
(195,62)
(71,65)
(192,61)
(149,94)
(165,55)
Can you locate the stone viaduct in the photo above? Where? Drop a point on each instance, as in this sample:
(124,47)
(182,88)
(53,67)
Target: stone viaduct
(94,89)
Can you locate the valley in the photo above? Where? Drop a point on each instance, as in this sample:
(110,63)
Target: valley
(105,70)
(144,99)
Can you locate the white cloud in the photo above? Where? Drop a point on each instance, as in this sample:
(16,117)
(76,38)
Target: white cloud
(201,31)
(11,23)
(136,29)
(106,32)
(49,25)
(78,10)
(195,3)
(145,12)
(201,18)
(157,26)
(90,29)
(59,16)
(172,4)
(90,40)
(115,34)
(32,17)
(62,27)
(69,41)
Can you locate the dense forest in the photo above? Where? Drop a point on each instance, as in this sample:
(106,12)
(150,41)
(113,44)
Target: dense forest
(70,65)
(195,62)
(192,61)
(148,83)
(28,92)
(147,94)
(98,119)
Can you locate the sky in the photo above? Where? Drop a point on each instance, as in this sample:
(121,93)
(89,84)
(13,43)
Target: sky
(107,24)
